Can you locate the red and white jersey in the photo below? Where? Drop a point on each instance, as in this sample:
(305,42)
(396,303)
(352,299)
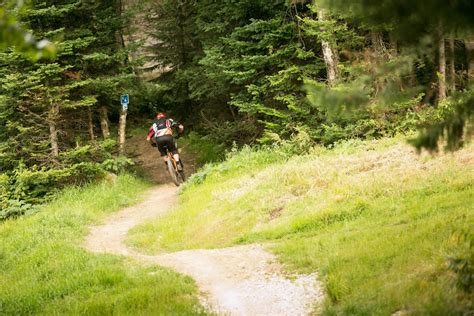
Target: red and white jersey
(162,127)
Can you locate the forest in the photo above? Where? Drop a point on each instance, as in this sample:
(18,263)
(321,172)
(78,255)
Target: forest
(247,72)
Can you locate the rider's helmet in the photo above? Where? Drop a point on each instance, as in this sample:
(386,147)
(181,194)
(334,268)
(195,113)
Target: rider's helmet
(160,115)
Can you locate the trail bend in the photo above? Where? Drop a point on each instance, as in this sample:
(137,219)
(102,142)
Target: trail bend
(241,280)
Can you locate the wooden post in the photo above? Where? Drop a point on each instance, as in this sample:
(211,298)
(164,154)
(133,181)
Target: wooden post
(122,129)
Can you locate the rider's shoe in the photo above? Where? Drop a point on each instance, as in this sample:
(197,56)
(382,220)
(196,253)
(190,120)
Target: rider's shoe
(179,165)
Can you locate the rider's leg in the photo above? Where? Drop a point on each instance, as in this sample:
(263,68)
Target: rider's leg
(179,163)
(160,146)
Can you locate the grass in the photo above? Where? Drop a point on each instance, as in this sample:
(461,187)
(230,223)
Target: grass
(45,270)
(378,221)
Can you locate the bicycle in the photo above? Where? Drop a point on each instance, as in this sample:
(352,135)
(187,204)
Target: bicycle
(177,175)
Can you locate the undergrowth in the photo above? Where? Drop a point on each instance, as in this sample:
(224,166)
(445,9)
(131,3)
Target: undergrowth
(24,187)
(378,221)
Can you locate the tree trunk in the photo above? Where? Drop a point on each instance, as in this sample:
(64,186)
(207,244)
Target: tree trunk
(393,45)
(378,44)
(452,69)
(329,55)
(53,131)
(378,56)
(104,122)
(91,124)
(441,67)
(470,55)
(119,34)
(122,129)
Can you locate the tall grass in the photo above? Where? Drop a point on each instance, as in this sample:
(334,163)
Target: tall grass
(45,270)
(377,220)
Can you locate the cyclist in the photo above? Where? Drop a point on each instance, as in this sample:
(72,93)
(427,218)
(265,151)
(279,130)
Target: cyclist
(162,134)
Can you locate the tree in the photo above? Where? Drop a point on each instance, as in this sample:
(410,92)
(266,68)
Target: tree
(173,30)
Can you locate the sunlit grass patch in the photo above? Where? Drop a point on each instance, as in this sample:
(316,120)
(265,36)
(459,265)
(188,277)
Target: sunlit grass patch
(46,271)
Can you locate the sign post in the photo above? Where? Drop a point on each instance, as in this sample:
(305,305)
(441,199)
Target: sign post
(124,99)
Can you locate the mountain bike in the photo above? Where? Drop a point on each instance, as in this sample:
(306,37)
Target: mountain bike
(177,176)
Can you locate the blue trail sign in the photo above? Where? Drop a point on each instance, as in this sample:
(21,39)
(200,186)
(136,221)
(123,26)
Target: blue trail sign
(124,99)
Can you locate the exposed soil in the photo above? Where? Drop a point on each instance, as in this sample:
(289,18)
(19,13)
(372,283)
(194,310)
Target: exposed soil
(148,159)
(243,280)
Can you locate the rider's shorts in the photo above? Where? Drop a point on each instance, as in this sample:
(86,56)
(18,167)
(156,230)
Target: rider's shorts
(166,142)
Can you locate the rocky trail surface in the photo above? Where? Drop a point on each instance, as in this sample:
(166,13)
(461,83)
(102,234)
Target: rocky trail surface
(242,280)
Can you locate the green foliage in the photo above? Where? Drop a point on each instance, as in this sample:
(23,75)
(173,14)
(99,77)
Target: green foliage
(428,22)
(424,17)
(351,112)
(175,47)
(265,61)
(248,67)
(454,122)
(244,68)
(25,187)
(13,34)
(59,94)
(240,63)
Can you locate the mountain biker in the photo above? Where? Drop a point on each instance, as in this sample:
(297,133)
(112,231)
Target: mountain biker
(162,134)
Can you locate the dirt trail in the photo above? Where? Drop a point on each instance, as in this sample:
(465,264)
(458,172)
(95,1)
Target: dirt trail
(242,280)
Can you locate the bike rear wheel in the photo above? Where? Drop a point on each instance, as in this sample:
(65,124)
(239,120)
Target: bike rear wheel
(173,173)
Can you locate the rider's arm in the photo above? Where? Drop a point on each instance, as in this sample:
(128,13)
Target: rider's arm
(150,134)
(177,125)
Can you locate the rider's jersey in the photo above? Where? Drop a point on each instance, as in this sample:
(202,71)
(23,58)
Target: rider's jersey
(162,127)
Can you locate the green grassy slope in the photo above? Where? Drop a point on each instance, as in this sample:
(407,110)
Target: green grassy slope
(45,270)
(378,221)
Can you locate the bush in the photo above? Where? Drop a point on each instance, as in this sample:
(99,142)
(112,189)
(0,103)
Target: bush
(25,187)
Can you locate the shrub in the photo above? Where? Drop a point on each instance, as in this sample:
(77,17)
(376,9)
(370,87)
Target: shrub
(24,187)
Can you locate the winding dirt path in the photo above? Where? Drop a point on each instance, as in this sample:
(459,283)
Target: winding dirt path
(242,280)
